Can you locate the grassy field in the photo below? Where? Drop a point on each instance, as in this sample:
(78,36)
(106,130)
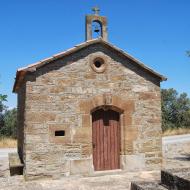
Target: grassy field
(180,131)
(6,142)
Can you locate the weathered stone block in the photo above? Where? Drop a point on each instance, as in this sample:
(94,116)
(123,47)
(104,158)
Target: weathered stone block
(148,96)
(82,135)
(85,107)
(40,117)
(154,161)
(84,167)
(86,120)
(127,119)
(129,106)
(39,98)
(86,150)
(128,147)
(131,134)
(15,164)
(133,162)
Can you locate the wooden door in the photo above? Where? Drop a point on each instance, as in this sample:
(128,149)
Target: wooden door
(106,139)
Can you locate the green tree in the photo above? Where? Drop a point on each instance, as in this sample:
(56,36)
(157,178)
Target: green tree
(175,109)
(10,123)
(168,100)
(182,111)
(3,98)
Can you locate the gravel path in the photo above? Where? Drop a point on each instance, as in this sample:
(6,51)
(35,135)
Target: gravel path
(4,152)
(176,139)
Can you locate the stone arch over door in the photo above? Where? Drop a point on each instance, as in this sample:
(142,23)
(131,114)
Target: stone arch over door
(126,109)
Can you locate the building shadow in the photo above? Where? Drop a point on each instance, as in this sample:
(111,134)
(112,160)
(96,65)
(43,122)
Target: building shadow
(183,157)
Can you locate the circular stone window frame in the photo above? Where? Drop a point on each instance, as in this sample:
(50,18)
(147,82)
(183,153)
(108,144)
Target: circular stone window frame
(102,67)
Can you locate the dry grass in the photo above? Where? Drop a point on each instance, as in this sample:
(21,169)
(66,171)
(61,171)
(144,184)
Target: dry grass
(180,131)
(6,142)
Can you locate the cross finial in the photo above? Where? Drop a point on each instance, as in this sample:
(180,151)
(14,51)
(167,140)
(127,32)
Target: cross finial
(96,10)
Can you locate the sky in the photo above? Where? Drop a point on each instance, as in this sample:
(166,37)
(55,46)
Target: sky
(156,32)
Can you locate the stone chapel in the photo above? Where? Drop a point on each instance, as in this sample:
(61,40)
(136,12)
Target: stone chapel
(88,109)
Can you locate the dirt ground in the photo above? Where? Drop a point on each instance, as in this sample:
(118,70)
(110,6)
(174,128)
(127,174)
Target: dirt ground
(176,155)
(118,181)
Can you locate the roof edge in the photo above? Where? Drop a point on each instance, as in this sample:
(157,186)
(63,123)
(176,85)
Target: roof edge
(21,72)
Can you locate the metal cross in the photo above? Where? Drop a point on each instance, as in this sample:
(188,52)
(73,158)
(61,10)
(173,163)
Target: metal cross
(96,10)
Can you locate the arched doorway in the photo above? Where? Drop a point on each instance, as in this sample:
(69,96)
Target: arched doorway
(106,139)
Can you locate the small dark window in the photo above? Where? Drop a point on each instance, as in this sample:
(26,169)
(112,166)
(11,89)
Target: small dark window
(97,64)
(60,133)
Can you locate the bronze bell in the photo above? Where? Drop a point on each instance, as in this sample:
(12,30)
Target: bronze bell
(97,30)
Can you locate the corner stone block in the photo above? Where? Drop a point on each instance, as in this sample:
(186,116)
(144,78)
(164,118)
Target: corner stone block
(86,150)
(128,147)
(116,101)
(131,133)
(154,161)
(84,167)
(97,101)
(82,135)
(156,120)
(129,106)
(127,119)
(86,120)
(148,96)
(85,107)
(40,117)
(133,162)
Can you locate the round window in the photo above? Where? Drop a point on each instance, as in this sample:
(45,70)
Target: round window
(98,64)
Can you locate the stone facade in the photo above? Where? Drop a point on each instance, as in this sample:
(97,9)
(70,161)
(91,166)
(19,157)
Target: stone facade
(61,95)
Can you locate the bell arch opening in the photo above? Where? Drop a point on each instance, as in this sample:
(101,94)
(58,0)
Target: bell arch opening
(96,29)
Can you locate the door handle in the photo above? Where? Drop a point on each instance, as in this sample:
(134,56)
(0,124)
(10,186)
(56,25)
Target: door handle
(93,145)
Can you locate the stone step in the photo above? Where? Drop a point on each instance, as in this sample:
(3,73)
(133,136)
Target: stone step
(173,179)
(178,179)
(106,172)
(154,185)
(15,164)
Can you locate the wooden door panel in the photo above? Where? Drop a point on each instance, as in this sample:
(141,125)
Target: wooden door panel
(106,139)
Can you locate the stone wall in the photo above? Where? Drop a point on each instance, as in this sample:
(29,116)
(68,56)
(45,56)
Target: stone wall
(60,96)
